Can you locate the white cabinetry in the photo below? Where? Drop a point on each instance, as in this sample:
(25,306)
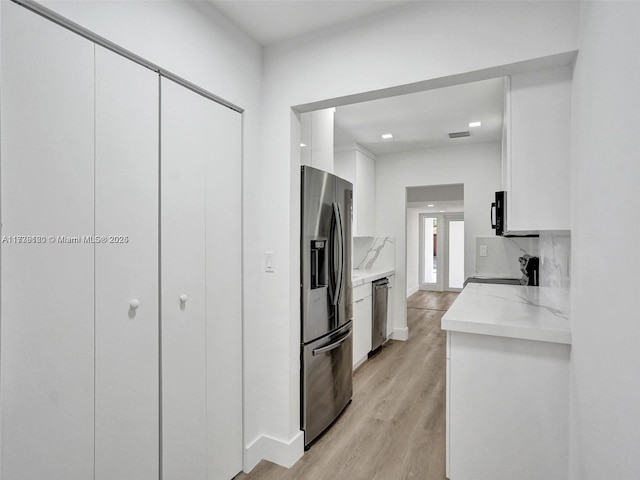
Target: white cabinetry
(362,316)
(507,408)
(359,168)
(536,150)
(364,196)
(87,330)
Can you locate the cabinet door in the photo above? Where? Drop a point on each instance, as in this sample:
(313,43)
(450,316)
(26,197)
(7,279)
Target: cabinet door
(538,162)
(185,148)
(362,313)
(47,300)
(126,156)
(224,292)
(364,193)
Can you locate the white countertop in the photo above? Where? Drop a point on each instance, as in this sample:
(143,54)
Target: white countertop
(361,276)
(513,311)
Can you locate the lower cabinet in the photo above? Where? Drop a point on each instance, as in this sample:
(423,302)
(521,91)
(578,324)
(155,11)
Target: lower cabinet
(362,317)
(507,408)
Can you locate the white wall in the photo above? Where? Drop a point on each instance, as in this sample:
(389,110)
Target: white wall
(605,305)
(477,166)
(193,41)
(422,41)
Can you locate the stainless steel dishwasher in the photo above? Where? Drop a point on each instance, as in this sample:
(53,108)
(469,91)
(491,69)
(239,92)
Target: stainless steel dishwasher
(379,317)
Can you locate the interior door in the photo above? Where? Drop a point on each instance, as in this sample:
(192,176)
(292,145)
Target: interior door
(47,304)
(126,182)
(185,149)
(201,224)
(224,291)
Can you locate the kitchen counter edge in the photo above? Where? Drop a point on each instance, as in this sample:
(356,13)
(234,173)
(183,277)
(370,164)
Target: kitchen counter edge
(366,276)
(510,311)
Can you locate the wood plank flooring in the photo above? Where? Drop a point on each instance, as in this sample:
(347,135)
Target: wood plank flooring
(394,428)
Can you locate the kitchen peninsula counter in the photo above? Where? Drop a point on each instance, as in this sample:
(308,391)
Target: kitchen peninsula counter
(512,311)
(508,351)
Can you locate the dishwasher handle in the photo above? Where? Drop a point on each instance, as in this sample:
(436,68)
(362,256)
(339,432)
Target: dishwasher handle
(382,283)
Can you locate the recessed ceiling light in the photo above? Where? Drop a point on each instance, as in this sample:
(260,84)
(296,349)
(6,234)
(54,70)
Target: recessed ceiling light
(386,136)
(303,145)
(474,124)
(431,205)
(441,211)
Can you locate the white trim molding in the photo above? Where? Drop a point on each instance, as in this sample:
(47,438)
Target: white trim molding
(283,453)
(401,334)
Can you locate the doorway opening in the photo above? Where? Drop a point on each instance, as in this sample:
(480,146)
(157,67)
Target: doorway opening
(435,238)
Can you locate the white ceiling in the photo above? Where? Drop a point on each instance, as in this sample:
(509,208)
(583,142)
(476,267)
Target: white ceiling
(417,121)
(272,21)
(423,120)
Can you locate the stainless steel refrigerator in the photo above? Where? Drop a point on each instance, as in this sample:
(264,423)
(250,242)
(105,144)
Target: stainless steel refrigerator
(325,282)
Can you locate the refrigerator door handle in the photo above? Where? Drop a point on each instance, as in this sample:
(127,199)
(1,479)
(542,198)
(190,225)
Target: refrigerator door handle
(331,261)
(338,216)
(333,345)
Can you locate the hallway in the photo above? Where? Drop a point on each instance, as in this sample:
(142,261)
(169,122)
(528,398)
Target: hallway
(395,426)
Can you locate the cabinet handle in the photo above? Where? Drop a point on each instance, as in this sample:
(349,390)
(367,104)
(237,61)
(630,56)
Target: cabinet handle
(183,298)
(134,304)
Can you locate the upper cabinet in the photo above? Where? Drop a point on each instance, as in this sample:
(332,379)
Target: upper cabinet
(358,167)
(536,149)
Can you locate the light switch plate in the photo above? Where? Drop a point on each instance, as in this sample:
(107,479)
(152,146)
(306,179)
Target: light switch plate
(483,250)
(269,262)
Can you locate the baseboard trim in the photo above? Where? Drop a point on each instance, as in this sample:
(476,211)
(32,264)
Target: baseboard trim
(283,453)
(412,290)
(401,334)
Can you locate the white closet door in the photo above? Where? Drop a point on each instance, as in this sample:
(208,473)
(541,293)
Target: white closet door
(127,382)
(224,294)
(47,305)
(185,148)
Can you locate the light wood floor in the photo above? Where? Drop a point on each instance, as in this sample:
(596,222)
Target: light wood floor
(395,426)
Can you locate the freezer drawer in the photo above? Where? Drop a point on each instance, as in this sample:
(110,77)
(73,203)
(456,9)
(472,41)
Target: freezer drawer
(326,380)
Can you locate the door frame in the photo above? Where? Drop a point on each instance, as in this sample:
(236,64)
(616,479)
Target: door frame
(442,247)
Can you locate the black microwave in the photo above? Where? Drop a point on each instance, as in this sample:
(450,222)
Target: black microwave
(499,213)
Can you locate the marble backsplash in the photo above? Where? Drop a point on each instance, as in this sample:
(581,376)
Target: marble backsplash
(374,253)
(502,255)
(555,266)
(553,249)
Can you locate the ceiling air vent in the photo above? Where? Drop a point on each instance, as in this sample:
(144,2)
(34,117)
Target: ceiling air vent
(459,134)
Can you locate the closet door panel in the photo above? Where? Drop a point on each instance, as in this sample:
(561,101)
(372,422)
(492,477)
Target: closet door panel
(127,372)
(47,304)
(185,148)
(224,294)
